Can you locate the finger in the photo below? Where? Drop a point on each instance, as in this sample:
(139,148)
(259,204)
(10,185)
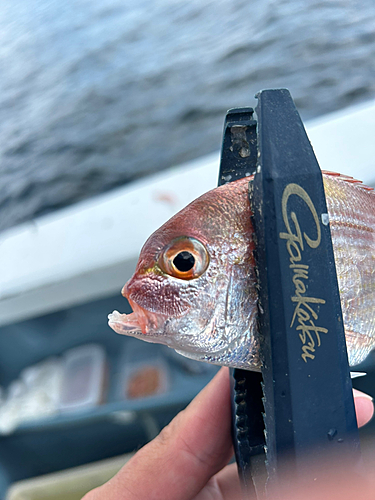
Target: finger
(187,453)
(364,407)
(225,485)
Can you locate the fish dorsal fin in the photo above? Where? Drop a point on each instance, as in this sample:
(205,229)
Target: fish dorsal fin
(349,179)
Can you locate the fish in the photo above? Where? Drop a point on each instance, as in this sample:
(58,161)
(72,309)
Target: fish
(195,285)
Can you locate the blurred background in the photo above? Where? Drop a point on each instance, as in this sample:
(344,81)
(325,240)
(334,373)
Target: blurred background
(95,96)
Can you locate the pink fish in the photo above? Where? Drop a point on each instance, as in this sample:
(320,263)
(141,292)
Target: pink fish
(194,287)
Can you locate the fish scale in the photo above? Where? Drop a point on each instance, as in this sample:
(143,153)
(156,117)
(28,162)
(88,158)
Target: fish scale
(351,208)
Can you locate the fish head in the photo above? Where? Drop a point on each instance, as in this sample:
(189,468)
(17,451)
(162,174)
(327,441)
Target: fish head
(194,285)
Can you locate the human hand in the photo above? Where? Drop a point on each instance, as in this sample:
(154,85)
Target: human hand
(188,459)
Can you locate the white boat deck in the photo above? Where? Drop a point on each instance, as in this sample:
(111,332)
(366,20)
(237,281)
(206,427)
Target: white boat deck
(89,250)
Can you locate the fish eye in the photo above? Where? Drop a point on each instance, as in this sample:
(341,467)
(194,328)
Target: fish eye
(184,258)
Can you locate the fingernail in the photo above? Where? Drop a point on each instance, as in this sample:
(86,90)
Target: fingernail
(367,396)
(360,394)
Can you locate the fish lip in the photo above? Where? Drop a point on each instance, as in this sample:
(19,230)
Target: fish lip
(139,322)
(132,328)
(124,324)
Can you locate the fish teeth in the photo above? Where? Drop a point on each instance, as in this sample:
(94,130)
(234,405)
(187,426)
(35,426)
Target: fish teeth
(114,316)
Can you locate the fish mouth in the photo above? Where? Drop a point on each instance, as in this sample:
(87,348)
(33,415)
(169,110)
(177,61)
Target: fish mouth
(124,324)
(139,322)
